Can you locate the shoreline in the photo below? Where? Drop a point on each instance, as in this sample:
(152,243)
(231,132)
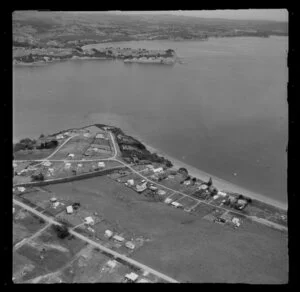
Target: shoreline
(220,183)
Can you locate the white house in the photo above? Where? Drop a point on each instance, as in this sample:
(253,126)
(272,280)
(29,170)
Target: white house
(89,221)
(67,165)
(58,137)
(101,164)
(168,200)
(130,182)
(112,263)
(161,192)
(187,182)
(141,188)
(71,155)
(108,233)
(118,238)
(87,135)
(21,189)
(79,165)
(99,136)
(69,209)
(153,188)
(130,245)
(222,194)
(158,170)
(132,277)
(143,280)
(53,200)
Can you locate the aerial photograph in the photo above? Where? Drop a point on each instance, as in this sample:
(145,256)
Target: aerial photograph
(150,146)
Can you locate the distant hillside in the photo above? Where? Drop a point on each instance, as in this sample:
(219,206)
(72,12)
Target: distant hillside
(40,27)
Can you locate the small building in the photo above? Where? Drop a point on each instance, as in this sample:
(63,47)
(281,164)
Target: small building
(112,263)
(153,188)
(236,221)
(130,182)
(171,176)
(101,164)
(130,245)
(203,187)
(141,188)
(67,165)
(161,192)
(69,209)
(132,277)
(168,200)
(13,210)
(99,136)
(79,165)
(241,204)
(53,200)
(71,155)
(89,221)
(216,197)
(187,182)
(176,204)
(108,233)
(21,189)
(158,170)
(87,135)
(222,194)
(118,238)
(58,137)
(55,205)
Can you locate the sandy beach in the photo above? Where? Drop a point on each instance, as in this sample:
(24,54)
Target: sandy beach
(221,184)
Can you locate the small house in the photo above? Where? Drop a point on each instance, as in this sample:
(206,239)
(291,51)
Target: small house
(153,188)
(118,238)
(69,209)
(222,194)
(130,182)
(71,155)
(236,221)
(241,204)
(168,200)
(130,245)
(187,182)
(89,220)
(176,204)
(79,165)
(161,192)
(112,263)
(21,189)
(53,200)
(67,165)
(141,188)
(158,170)
(101,164)
(108,233)
(87,135)
(99,136)
(55,205)
(132,277)
(58,137)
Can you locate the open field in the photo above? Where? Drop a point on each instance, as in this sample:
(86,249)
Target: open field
(183,246)
(33,154)
(25,224)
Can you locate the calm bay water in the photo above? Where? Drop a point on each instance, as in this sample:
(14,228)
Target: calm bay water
(224,110)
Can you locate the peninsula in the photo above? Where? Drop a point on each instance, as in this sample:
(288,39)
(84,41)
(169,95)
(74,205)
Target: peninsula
(93,204)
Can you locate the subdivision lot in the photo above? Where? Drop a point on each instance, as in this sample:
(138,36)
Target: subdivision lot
(188,202)
(183,246)
(25,224)
(33,154)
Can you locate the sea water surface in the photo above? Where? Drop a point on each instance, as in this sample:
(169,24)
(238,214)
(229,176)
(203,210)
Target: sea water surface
(224,110)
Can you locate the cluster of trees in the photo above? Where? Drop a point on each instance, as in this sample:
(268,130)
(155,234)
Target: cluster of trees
(37,177)
(62,231)
(24,144)
(48,144)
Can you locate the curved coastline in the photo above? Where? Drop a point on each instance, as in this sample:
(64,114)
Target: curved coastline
(218,182)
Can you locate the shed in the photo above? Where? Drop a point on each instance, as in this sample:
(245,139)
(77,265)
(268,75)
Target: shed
(168,200)
(86,135)
(99,136)
(67,165)
(89,220)
(21,189)
(132,277)
(71,155)
(53,200)
(55,205)
(130,245)
(118,238)
(69,209)
(108,233)
(222,194)
(154,188)
(187,182)
(58,137)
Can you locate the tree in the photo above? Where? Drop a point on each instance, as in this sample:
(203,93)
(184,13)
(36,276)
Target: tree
(37,177)
(209,182)
(62,231)
(42,136)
